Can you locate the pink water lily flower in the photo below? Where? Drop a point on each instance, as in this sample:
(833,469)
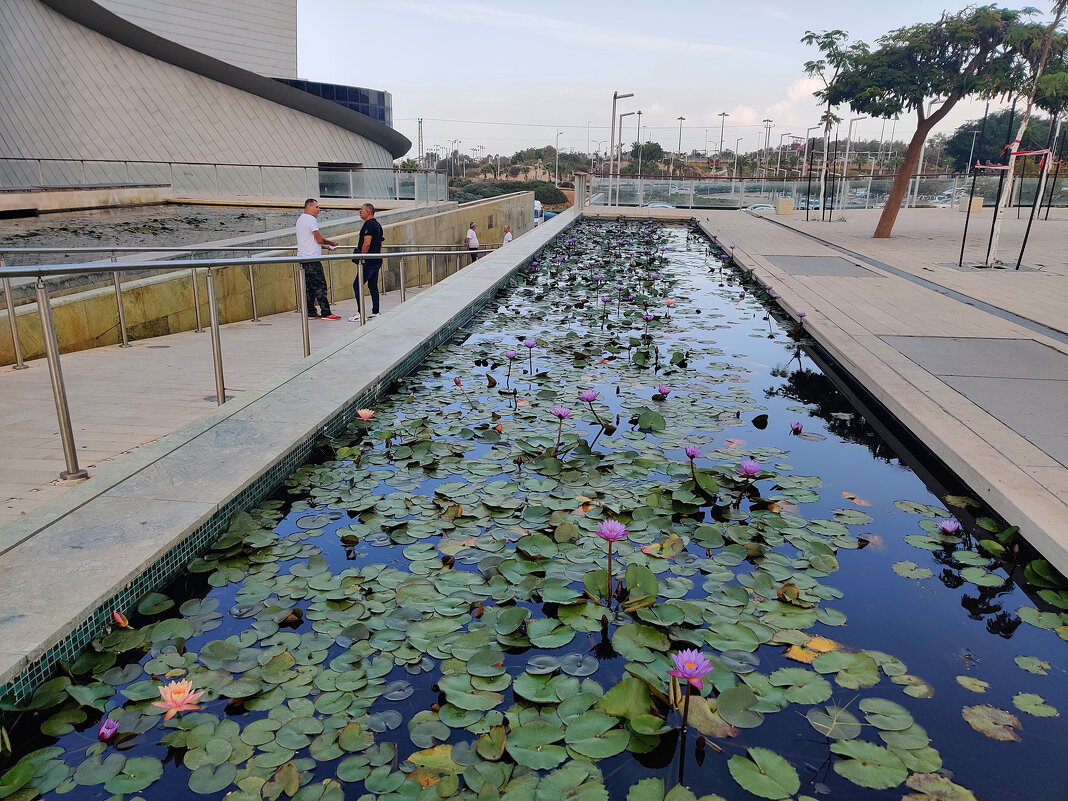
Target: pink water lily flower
(589,395)
(561,412)
(178,696)
(367,414)
(510,354)
(690,665)
(949,526)
(611,530)
(692,452)
(749,468)
(664,390)
(795,428)
(669,302)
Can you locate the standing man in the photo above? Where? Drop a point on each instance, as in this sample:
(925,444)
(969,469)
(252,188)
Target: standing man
(310,243)
(471,240)
(507,234)
(370,241)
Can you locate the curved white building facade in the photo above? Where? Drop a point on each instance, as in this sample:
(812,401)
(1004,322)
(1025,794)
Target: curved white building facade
(90,97)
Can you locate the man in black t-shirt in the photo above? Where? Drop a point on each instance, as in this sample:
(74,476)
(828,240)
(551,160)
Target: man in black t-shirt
(370,241)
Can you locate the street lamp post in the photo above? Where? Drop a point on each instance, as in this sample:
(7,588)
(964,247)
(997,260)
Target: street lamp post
(619,154)
(845,170)
(767,138)
(612,139)
(737,147)
(671,167)
(557,148)
(722,118)
(778,160)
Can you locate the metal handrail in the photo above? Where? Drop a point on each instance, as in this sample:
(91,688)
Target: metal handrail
(208,266)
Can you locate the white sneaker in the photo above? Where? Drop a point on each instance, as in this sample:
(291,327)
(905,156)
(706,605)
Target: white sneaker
(355,318)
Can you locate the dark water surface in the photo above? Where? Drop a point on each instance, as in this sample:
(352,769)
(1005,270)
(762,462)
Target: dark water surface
(412,494)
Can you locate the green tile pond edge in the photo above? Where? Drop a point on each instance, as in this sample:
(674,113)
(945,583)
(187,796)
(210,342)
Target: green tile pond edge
(173,563)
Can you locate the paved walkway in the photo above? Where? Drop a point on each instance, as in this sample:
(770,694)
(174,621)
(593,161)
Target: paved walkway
(973,361)
(123,398)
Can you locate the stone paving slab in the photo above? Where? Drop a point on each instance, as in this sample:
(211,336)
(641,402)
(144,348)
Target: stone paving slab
(108,530)
(994,358)
(820,265)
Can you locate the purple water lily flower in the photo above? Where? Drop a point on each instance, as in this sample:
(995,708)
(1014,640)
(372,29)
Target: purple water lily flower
(611,530)
(690,665)
(664,390)
(692,452)
(530,343)
(510,354)
(107,729)
(605,299)
(795,428)
(562,412)
(598,278)
(774,295)
(647,317)
(802,315)
(949,526)
(589,395)
(749,468)
(655,276)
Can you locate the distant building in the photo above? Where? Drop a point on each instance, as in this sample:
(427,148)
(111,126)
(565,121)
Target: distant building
(200,94)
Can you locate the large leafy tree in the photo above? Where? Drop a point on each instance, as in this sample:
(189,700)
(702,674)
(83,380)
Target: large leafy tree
(976,52)
(990,149)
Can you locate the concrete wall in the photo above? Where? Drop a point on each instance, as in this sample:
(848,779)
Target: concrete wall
(77,199)
(163,304)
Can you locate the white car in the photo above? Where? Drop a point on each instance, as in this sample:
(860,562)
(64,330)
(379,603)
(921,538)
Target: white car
(759,207)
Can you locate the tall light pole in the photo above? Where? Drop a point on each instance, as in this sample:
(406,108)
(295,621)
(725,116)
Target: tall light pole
(737,147)
(778,161)
(597,142)
(845,170)
(454,150)
(722,118)
(767,137)
(612,139)
(971,150)
(557,148)
(587,136)
(671,167)
(804,157)
(641,147)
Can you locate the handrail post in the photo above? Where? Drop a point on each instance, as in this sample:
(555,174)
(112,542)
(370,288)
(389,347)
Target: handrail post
(118,303)
(216,341)
(196,300)
(433,264)
(302,302)
(403,288)
(19,364)
(330,281)
(298,288)
(252,292)
(59,391)
(360,297)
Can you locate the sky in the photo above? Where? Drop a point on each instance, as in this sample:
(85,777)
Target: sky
(502,76)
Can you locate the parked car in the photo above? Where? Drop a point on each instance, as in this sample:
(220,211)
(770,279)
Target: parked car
(760,207)
(657,204)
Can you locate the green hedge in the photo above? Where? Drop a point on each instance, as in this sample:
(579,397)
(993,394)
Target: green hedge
(544,191)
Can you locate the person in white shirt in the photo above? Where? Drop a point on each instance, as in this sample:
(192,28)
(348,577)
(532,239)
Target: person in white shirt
(310,243)
(471,240)
(507,234)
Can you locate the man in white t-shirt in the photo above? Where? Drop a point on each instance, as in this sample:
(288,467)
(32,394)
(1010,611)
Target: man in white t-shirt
(507,234)
(310,243)
(471,240)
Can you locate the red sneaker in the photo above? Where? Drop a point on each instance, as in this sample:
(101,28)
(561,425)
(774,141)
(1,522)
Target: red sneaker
(331,317)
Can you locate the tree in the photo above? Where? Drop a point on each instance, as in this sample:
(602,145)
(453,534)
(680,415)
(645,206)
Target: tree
(409,164)
(651,153)
(992,145)
(975,52)
(1060,7)
(827,69)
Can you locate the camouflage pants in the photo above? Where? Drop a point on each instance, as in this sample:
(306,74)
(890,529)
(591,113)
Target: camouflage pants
(315,289)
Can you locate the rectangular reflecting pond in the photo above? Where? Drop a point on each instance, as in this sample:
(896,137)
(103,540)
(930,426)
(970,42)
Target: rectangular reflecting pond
(621,538)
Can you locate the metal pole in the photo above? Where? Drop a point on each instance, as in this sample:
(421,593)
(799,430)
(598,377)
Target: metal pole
(196,300)
(403,287)
(330,281)
(19,364)
(433,266)
(1034,207)
(252,293)
(118,303)
(974,174)
(301,303)
(216,342)
(361,298)
(59,391)
(298,289)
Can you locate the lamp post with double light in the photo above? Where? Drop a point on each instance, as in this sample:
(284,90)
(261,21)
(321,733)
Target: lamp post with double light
(616,96)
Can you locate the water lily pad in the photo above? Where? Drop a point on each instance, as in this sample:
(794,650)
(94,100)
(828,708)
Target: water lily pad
(207,780)
(1034,704)
(1032,664)
(532,745)
(933,787)
(973,684)
(735,705)
(886,715)
(594,734)
(997,724)
(765,774)
(852,670)
(383,780)
(802,686)
(868,765)
(95,770)
(910,569)
(154,603)
(491,744)
(136,775)
(834,722)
